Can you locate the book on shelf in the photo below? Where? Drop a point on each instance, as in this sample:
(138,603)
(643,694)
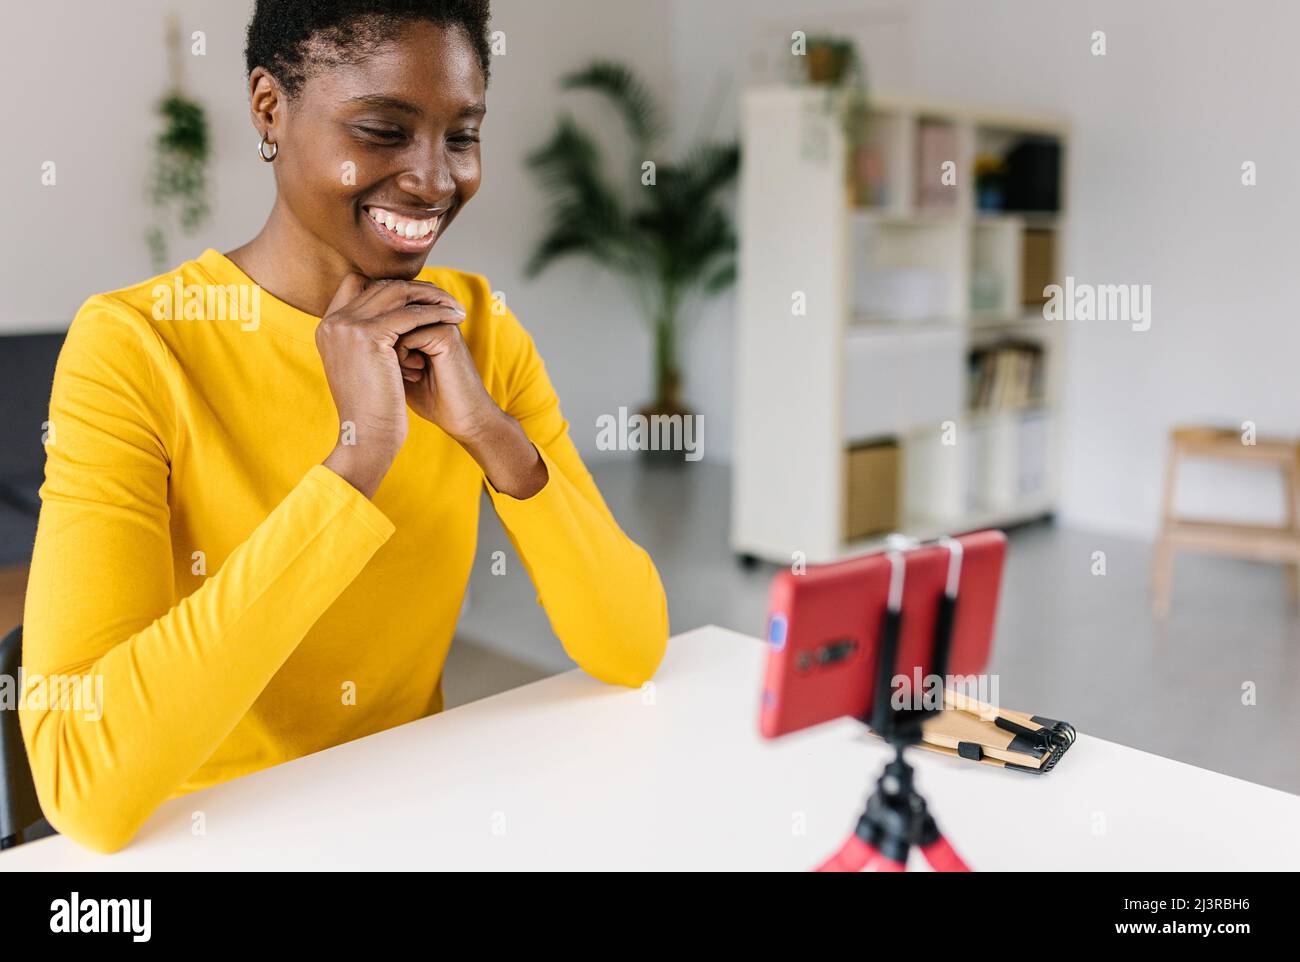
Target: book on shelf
(936,145)
(1005,377)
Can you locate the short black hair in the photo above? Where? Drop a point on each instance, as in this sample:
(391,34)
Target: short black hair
(289,37)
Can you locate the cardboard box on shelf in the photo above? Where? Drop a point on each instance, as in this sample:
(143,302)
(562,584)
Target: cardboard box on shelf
(871,489)
(1039,262)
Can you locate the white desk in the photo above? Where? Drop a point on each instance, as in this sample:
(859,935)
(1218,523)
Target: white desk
(569,773)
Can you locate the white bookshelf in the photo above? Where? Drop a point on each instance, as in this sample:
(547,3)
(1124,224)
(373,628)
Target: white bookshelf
(897,296)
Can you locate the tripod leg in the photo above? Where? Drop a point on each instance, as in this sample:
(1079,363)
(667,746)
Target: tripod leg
(852,856)
(943,857)
(882,864)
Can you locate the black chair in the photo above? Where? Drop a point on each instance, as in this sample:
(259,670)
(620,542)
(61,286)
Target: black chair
(20,811)
(26,372)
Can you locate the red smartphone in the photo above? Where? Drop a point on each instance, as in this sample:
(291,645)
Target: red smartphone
(826,627)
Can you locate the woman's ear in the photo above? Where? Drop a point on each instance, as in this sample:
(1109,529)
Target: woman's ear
(265,104)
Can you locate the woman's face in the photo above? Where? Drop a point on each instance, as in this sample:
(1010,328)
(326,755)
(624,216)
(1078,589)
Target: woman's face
(376,158)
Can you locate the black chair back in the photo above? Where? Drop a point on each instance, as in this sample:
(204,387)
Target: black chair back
(20,811)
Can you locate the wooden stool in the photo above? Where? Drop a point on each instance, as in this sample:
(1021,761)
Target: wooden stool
(1257,542)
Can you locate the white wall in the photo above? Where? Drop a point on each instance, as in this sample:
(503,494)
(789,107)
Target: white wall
(1187,91)
(597,349)
(81,81)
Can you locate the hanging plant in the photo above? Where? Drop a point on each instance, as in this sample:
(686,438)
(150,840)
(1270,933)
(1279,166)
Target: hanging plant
(180,180)
(832,63)
(179,187)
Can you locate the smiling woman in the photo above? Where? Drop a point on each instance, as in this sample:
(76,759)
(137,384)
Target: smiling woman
(245,536)
(364,106)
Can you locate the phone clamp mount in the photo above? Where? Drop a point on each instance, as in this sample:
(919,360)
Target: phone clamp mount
(897,818)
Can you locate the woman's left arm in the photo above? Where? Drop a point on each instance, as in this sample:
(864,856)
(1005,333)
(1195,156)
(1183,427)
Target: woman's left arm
(599,588)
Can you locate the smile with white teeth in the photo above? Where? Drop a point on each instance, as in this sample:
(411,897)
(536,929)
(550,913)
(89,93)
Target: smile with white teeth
(402,226)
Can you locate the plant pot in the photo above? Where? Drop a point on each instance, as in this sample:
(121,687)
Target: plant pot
(827,64)
(665,408)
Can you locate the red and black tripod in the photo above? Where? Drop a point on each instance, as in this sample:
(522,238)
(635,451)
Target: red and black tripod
(896,817)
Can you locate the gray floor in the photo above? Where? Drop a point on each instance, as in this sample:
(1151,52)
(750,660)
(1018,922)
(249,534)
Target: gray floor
(1070,644)
(475,670)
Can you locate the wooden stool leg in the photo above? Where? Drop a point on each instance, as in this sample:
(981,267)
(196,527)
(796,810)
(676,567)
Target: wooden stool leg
(1162,574)
(1291,478)
(1162,578)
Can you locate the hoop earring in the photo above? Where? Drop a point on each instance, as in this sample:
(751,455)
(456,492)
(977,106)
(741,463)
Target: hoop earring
(261,150)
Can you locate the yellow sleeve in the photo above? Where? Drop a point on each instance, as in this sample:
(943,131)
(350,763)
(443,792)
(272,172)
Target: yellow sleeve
(599,588)
(176,677)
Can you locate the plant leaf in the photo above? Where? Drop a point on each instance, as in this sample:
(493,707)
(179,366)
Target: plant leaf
(721,278)
(631,97)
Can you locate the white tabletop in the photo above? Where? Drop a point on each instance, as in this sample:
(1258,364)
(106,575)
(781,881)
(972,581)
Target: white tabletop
(568,773)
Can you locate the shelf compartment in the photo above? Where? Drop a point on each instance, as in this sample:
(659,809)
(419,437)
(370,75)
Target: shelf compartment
(1039,265)
(879,174)
(1000,462)
(912,269)
(938,142)
(871,482)
(891,385)
(996,252)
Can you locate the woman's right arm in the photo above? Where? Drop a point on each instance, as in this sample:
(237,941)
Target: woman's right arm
(176,679)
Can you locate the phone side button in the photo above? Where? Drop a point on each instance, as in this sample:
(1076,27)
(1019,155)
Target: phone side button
(776,629)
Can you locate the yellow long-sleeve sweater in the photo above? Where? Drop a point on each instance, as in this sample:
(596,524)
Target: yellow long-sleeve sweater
(240,603)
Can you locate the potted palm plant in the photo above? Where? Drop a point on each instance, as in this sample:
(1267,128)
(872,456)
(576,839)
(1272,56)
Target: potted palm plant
(661,227)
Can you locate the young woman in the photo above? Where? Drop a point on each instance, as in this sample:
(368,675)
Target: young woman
(258,524)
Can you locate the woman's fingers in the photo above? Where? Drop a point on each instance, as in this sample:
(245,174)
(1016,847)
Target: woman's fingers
(380,297)
(426,339)
(352,287)
(411,359)
(396,323)
(384,310)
